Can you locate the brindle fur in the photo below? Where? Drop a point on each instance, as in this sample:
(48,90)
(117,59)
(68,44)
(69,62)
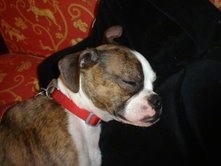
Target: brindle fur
(106,78)
(26,139)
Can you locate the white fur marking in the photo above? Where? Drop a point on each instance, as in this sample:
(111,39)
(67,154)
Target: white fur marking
(149,75)
(85,137)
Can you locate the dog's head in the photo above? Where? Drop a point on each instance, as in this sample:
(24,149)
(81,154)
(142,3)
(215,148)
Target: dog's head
(114,79)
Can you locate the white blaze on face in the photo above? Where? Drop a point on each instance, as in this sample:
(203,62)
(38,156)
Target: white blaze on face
(138,111)
(149,75)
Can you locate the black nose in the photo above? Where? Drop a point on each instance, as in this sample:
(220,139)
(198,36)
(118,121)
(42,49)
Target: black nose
(155,101)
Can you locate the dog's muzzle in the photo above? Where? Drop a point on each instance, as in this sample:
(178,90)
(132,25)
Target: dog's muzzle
(143,110)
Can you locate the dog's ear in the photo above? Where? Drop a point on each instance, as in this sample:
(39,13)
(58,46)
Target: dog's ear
(88,58)
(69,71)
(112,33)
(71,65)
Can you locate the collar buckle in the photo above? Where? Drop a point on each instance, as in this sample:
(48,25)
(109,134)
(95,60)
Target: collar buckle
(50,88)
(92,120)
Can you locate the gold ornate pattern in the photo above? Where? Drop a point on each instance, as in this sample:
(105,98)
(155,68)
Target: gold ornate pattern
(74,11)
(18,80)
(25,65)
(33,30)
(2,76)
(2,5)
(42,27)
(13,33)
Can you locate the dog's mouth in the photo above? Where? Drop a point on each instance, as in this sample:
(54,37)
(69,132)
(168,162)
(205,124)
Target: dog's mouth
(143,122)
(141,110)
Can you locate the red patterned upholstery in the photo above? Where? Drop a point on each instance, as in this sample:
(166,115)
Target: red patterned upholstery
(17,77)
(45,26)
(33,30)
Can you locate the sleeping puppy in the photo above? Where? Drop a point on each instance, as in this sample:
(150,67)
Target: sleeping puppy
(61,125)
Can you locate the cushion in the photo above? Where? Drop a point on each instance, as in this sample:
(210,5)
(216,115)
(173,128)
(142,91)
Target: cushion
(44,27)
(18,77)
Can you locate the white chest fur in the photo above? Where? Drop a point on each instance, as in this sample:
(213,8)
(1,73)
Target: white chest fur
(86,140)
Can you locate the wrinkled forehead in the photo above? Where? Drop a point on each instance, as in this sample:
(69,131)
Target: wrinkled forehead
(117,49)
(149,75)
(110,47)
(119,58)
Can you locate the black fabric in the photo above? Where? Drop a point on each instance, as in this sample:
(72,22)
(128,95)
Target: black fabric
(182,41)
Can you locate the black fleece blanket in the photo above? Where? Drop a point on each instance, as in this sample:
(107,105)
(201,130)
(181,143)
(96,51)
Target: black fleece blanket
(182,41)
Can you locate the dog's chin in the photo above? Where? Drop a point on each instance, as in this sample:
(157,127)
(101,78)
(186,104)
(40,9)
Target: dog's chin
(141,123)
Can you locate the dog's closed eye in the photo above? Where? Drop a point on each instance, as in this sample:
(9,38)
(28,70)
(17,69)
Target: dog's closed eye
(130,84)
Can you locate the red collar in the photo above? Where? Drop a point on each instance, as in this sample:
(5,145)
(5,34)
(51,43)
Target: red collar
(64,101)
